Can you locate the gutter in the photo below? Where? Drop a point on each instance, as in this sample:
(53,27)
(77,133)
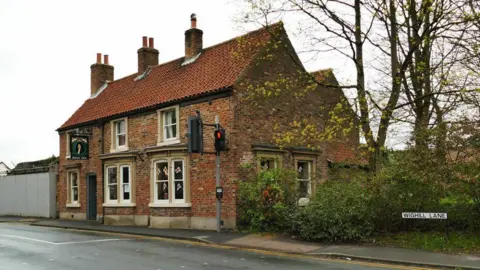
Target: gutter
(222,92)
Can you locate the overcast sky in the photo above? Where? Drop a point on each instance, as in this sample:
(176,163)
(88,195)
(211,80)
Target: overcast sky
(47,47)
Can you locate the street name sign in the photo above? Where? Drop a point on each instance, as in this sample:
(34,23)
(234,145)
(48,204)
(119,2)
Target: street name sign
(419,215)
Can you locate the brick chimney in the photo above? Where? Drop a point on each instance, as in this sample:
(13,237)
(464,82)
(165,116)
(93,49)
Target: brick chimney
(147,55)
(100,73)
(193,39)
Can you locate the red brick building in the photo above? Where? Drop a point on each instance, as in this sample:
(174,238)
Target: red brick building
(139,171)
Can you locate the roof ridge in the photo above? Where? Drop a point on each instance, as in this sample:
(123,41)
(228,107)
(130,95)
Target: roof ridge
(246,34)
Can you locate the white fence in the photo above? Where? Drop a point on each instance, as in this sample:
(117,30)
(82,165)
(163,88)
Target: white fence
(28,195)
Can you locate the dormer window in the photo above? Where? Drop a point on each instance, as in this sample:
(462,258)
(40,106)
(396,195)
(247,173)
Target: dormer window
(119,135)
(169,128)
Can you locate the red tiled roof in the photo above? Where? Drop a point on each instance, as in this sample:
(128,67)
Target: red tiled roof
(216,68)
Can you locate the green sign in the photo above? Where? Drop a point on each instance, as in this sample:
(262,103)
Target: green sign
(79,147)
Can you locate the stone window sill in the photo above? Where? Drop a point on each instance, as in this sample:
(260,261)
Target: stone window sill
(166,205)
(119,204)
(169,142)
(118,150)
(73,205)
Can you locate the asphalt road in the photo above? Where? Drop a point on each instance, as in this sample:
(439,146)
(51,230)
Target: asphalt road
(25,247)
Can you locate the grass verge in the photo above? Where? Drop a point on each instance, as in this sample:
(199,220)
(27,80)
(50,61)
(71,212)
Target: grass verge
(457,242)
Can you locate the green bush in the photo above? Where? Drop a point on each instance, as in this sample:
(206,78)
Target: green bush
(340,212)
(353,204)
(268,202)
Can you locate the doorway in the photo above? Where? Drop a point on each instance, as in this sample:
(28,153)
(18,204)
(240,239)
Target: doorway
(91,197)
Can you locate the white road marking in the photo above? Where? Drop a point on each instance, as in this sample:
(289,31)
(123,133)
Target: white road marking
(90,241)
(26,238)
(60,243)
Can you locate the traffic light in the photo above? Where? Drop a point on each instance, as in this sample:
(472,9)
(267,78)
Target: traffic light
(195,135)
(220,144)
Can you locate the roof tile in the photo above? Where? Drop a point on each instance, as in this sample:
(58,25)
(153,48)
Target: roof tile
(216,68)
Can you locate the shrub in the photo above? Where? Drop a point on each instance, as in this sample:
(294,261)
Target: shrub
(340,212)
(267,202)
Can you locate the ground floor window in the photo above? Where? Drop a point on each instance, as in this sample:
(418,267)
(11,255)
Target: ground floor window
(73,187)
(268,161)
(304,178)
(118,183)
(169,181)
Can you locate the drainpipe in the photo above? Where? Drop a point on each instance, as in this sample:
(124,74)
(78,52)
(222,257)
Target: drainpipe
(102,144)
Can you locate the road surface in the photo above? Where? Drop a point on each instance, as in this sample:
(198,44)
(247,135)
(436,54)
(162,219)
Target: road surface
(24,247)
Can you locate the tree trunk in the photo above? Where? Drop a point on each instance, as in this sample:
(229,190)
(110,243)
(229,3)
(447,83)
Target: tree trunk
(362,96)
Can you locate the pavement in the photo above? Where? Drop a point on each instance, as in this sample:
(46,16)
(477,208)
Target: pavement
(281,244)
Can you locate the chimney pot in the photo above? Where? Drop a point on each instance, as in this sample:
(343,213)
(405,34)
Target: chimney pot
(99,58)
(150,42)
(105,59)
(193,20)
(144,42)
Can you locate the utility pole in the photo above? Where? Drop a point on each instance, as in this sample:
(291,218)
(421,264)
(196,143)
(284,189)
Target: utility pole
(195,145)
(217,176)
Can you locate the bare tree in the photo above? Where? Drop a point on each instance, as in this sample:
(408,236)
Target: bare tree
(415,51)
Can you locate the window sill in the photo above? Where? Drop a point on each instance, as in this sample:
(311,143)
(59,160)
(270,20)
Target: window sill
(73,205)
(121,149)
(119,204)
(166,205)
(177,141)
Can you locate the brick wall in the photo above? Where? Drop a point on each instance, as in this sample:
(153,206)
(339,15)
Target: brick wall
(142,133)
(271,111)
(92,165)
(258,120)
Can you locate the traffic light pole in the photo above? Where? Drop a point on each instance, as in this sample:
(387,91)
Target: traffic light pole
(217,178)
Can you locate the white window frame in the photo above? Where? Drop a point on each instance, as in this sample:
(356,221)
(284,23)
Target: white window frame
(172,201)
(71,187)
(108,184)
(165,126)
(162,133)
(304,200)
(118,134)
(115,147)
(156,181)
(67,149)
(120,201)
(122,192)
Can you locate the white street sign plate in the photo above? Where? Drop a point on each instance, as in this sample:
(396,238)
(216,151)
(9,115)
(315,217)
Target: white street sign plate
(418,215)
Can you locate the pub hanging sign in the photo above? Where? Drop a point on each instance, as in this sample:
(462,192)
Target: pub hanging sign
(78,147)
